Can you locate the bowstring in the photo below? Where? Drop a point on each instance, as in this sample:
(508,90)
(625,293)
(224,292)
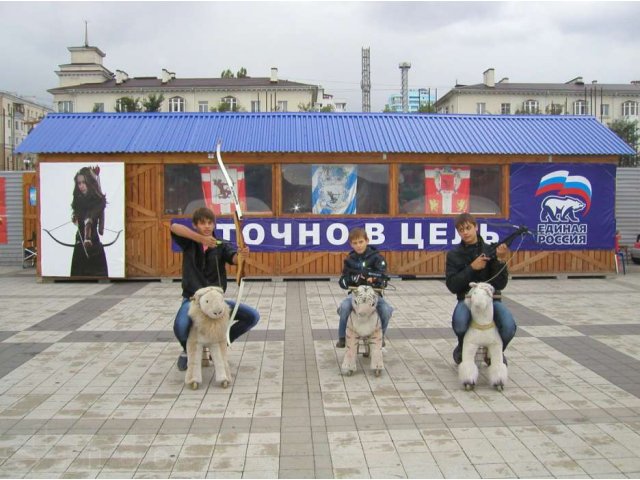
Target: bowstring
(508,260)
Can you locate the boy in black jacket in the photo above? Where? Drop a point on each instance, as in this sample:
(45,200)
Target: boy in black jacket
(468,263)
(203,265)
(360,262)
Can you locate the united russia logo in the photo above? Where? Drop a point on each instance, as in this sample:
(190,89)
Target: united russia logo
(566,197)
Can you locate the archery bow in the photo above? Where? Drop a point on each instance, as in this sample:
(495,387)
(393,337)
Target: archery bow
(237,218)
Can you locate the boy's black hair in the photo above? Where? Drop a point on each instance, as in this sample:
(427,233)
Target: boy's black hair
(203,213)
(464,218)
(356,233)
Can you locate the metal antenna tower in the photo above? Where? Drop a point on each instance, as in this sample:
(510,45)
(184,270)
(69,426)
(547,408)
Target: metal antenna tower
(404,69)
(365,84)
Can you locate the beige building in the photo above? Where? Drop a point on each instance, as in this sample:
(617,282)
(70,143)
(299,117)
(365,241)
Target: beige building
(87,86)
(607,102)
(18,115)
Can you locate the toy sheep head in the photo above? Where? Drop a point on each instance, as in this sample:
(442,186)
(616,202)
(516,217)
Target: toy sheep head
(364,299)
(481,294)
(211,302)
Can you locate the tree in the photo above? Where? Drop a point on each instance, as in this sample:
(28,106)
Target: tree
(153,102)
(226,107)
(388,109)
(227,74)
(328,108)
(242,73)
(302,107)
(127,104)
(554,109)
(427,107)
(627,130)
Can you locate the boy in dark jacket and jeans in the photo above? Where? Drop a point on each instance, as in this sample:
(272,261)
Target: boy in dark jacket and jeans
(360,262)
(203,265)
(468,263)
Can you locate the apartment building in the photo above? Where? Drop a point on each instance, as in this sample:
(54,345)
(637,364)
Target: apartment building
(86,85)
(18,115)
(607,102)
(416,97)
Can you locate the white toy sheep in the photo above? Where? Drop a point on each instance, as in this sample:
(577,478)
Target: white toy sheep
(210,315)
(482,333)
(363,325)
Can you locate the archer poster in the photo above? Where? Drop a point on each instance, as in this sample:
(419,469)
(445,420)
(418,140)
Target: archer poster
(3,211)
(447,189)
(82,220)
(334,189)
(216,191)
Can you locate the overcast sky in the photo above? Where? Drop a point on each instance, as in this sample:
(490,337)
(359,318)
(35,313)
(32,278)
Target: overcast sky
(321,42)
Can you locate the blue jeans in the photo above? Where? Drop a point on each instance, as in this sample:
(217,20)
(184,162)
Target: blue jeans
(246,318)
(383,308)
(461,319)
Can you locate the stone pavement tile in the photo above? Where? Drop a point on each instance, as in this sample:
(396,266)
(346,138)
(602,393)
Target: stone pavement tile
(150,474)
(351,472)
(626,465)
(387,472)
(494,470)
(262,463)
(265,474)
(224,474)
(564,466)
(226,463)
(299,473)
(425,471)
(190,465)
(80,474)
(197,450)
(263,450)
(480,451)
(597,466)
(124,464)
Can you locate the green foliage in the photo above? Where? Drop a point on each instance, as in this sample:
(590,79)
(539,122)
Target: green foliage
(127,104)
(427,107)
(388,109)
(153,102)
(627,130)
(226,107)
(327,108)
(242,73)
(305,107)
(554,109)
(227,74)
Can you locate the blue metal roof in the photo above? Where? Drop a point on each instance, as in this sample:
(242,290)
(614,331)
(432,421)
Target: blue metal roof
(305,132)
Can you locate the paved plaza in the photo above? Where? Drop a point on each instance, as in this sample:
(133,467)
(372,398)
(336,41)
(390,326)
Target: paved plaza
(89,386)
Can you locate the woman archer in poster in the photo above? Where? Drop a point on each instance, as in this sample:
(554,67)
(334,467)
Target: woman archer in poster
(88,207)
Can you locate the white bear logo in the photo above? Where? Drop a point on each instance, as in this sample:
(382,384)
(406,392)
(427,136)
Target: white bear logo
(560,209)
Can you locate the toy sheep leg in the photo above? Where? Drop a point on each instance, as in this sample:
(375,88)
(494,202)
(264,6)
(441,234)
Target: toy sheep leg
(349,361)
(498,370)
(221,364)
(194,362)
(468,370)
(375,344)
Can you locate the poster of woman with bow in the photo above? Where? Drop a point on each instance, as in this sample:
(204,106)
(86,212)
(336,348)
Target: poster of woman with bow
(82,233)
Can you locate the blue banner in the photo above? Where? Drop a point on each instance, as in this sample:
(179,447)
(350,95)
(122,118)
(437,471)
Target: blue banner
(568,206)
(331,235)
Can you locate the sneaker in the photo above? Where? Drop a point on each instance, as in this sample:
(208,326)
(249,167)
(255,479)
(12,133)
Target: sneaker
(341,342)
(182,362)
(457,355)
(384,344)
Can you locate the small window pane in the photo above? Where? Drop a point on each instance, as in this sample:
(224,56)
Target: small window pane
(440,190)
(505,109)
(184,192)
(203,106)
(335,189)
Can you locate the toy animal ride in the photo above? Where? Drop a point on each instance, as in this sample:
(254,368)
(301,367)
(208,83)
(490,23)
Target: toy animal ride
(363,326)
(482,333)
(210,315)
